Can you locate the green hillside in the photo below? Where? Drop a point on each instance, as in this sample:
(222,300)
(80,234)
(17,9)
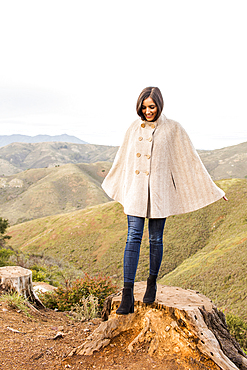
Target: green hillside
(204,250)
(42,192)
(219,270)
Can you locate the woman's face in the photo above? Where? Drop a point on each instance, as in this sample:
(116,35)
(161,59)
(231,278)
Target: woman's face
(149,109)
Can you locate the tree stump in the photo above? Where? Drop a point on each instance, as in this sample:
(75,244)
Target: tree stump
(181,324)
(18,279)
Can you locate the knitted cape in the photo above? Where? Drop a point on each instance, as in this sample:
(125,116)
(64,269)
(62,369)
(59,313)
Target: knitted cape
(157,172)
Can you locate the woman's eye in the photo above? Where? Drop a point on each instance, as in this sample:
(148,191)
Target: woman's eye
(150,107)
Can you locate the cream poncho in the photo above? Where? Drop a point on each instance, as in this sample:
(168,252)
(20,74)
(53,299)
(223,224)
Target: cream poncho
(157,172)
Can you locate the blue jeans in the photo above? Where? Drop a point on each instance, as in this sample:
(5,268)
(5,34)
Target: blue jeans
(132,249)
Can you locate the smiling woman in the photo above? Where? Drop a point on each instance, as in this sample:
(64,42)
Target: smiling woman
(156,173)
(149,109)
(150,104)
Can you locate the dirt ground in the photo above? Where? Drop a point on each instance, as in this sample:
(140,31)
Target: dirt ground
(44,340)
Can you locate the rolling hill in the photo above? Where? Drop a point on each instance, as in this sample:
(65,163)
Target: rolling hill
(46,190)
(204,250)
(42,192)
(229,162)
(18,157)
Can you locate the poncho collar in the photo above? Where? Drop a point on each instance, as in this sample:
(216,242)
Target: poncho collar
(161,120)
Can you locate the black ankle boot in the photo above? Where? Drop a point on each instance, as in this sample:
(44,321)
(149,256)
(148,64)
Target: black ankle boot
(150,294)
(127,303)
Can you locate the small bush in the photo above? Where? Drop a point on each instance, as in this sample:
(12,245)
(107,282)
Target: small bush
(4,256)
(238,329)
(16,301)
(5,252)
(45,273)
(63,298)
(39,274)
(86,309)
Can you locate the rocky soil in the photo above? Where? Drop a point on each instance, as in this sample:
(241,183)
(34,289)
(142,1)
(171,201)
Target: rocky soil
(43,341)
(181,330)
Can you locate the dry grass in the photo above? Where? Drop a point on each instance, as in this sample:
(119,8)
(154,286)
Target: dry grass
(204,250)
(49,191)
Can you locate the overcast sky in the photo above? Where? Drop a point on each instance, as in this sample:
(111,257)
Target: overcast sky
(77,67)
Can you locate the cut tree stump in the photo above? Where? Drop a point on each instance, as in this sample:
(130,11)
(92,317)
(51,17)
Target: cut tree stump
(18,279)
(180,324)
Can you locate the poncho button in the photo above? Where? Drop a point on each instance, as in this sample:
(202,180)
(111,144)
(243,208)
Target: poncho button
(153,126)
(147,173)
(137,172)
(143,125)
(148,156)
(138,154)
(140,138)
(150,139)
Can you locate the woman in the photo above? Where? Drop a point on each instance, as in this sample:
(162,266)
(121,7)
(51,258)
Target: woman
(156,173)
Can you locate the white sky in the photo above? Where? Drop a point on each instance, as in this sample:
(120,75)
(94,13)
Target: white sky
(77,67)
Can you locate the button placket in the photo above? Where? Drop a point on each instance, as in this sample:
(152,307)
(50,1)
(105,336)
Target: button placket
(150,140)
(148,156)
(147,131)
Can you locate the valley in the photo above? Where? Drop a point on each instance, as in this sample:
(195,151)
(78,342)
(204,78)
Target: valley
(203,250)
(62,222)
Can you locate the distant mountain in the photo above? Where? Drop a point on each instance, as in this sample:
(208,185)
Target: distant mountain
(17,157)
(229,162)
(42,192)
(9,139)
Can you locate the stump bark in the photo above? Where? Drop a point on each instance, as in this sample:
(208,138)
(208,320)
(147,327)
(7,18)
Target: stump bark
(181,324)
(18,279)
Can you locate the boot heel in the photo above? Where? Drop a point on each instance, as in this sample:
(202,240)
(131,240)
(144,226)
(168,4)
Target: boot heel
(132,308)
(150,294)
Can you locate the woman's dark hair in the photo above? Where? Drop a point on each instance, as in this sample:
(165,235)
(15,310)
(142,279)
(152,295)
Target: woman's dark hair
(153,93)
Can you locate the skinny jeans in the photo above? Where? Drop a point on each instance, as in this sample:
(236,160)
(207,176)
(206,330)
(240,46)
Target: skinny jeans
(133,243)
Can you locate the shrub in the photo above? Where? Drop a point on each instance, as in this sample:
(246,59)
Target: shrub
(238,329)
(86,309)
(3,227)
(39,273)
(5,253)
(63,298)
(45,273)
(4,256)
